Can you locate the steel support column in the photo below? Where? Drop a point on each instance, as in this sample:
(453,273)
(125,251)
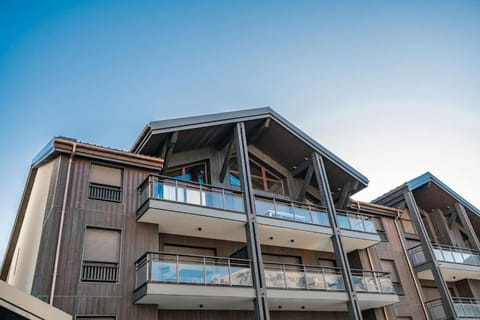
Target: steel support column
(354,310)
(447,302)
(467,225)
(253,239)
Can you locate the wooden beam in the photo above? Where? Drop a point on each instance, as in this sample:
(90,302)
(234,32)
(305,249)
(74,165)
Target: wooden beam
(254,136)
(453,217)
(301,167)
(168,155)
(226,160)
(345,195)
(306,183)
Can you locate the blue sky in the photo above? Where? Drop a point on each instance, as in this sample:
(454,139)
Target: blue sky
(392,87)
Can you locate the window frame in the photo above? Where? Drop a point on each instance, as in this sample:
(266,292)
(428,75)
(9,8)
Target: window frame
(120,255)
(206,164)
(264,168)
(397,285)
(104,186)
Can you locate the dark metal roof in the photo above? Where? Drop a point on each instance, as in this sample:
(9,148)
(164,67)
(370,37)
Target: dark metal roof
(224,118)
(424,180)
(427,177)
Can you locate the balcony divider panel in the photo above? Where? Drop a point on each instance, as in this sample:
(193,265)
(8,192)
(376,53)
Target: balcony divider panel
(429,255)
(251,229)
(354,310)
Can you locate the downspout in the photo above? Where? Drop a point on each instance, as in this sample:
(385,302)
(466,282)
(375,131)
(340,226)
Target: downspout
(62,218)
(410,267)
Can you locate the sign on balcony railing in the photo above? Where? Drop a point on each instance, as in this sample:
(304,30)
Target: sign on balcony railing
(291,210)
(171,189)
(192,269)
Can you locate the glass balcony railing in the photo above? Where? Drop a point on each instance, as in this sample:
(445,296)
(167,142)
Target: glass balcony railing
(292,211)
(446,254)
(456,255)
(372,281)
(192,269)
(306,277)
(465,308)
(171,189)
(355,222)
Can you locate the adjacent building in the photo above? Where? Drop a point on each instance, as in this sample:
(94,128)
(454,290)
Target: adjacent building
(237,215)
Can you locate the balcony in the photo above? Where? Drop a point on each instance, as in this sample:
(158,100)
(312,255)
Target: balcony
(455,263)
(465,308)
(293,224)
(174,281)
(316,288)
(191,209)
(358,231)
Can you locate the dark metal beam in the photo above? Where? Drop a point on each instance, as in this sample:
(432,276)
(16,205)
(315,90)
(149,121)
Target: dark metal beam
(467,225)
(171,145)
(354,310)
(226,160)
(251,229)
(447,302)
(301,167)
(254,136)
(306,183)
(345,195)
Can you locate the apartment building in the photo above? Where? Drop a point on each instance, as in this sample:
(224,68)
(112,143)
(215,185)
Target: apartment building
(236,215)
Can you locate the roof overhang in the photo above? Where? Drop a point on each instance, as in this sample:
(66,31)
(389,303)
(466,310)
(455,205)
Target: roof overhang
(221,124)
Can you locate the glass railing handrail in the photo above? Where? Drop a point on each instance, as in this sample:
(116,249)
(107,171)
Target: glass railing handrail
(151,253)
(193,184)
(352,214)
(170,268)
(455,249)
(292,203)
(302,266)
(169,189)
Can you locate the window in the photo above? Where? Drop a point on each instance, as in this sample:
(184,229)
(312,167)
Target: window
(196,172)
(105,183)
(389,266)
(262,178)
(407,223)
(274,258)
(327,263)
(380,229)
(101,255)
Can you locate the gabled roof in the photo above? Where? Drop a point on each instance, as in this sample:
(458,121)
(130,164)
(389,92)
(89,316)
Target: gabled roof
(424,180)
(427,177)
(216,119)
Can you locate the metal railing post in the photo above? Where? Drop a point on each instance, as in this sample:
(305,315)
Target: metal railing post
(229,272)
(204,271)
(178,269)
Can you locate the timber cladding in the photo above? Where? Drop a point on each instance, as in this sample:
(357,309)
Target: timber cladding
(83,298)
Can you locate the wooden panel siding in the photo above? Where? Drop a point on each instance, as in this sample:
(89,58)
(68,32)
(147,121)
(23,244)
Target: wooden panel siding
(410,304)
(72,295)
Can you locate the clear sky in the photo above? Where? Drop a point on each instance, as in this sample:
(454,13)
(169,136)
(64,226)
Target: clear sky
(392,87)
